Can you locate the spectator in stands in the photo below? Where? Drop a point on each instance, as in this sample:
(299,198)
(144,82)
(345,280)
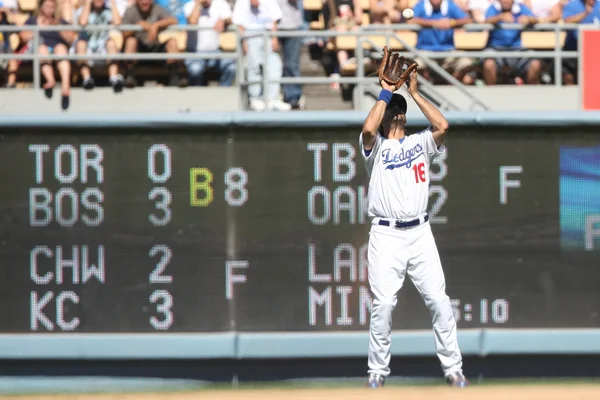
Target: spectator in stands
(255,17)
(7,10)
(154,19)
(386,11)
(438,19)
(292,20)
(95,12)
(509,12)
(342,16)
(52,42)
(213,16)
(577,12)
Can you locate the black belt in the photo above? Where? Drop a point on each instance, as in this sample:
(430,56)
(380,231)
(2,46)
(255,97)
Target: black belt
(403,224)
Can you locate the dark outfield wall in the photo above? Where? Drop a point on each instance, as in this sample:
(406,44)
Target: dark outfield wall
(200,230)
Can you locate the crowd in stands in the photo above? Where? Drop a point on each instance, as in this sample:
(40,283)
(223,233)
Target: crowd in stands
(439,19)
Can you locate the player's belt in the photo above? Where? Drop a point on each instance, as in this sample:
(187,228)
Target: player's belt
(395,223)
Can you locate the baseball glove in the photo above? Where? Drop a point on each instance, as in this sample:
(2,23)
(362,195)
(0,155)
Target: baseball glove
(392,71)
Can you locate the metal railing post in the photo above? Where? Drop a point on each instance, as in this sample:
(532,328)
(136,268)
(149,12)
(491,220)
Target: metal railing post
(360,73)
(557,58)
(265,66)
(36,61)
(239,68)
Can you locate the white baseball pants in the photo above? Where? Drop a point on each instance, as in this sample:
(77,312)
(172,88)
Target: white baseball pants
(393,253)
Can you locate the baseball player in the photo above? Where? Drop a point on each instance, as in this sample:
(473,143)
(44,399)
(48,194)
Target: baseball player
(400,239)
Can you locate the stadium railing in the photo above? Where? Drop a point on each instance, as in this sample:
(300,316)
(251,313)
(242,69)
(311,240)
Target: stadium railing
(364,37)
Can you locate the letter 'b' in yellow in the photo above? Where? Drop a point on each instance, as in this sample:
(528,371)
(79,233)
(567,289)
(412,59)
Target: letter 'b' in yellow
(200,180)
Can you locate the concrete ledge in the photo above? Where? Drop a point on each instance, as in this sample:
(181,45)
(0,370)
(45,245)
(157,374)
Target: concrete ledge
(270,345)
(145,100)
(117,346)
(304,119)
(343,344)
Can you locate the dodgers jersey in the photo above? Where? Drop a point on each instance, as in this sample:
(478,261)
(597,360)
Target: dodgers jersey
(399,174)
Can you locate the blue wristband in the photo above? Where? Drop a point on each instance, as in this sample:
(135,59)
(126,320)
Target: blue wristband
(385,95)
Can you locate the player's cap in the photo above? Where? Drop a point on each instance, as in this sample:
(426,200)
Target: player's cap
(399,102)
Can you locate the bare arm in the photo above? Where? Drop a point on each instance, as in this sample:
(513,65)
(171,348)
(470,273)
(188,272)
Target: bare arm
(115,16)
(577,18)
(85,14)
(68,36)
(67,10)
(373,120)
(358,11)
(555,14)
(425,23)
(164,23)
(195,15)
(496,19)
(438,122)
(371,125)
(478,16)
(376,7)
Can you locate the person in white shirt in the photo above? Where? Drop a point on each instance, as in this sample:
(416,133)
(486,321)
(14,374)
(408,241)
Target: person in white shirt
(401,242)
(546,11)
(252,18)
(212,16)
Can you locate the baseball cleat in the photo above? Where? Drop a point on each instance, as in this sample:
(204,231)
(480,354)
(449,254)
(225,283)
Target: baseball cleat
(375,381)
(457,379)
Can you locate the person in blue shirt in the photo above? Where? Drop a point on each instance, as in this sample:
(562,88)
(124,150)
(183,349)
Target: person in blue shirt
(577,12)
(509,12)
(175,7)
(439,18)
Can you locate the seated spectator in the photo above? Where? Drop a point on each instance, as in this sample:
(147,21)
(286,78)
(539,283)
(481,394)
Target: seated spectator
(438,19)
(509,12)
(342,16)
(95,12)
(212,15)
(577,12)
(386,11)
(52,42)
(292,20)
(7,10)
(252,17)
(154,19)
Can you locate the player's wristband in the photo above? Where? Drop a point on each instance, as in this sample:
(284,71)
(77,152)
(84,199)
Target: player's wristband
(385,95)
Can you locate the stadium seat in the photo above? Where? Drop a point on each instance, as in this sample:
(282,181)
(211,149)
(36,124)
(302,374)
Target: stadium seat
(227,41)
(541,40)
(180,37)
(318,25)
(313,5)
(464,40)
(365,5)
(19,18)
(27,5)
(117,36)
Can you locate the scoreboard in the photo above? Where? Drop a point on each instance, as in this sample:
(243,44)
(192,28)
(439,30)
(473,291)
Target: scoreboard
(205,230)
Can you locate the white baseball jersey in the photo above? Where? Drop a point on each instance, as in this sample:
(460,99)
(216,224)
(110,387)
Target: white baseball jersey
(399,175)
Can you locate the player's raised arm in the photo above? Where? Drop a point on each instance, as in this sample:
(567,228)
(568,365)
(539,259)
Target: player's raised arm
(438,123)
(373,121)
